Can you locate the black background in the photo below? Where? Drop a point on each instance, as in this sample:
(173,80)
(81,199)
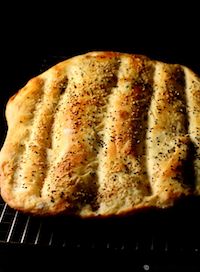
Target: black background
(31,34)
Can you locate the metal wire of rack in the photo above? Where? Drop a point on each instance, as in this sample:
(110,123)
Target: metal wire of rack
(157,233)
(17,228)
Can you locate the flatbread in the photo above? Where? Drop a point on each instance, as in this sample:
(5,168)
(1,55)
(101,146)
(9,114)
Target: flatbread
(102,134)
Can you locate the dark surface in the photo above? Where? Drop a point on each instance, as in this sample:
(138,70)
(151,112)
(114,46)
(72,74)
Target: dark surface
(169,35)
(91,260)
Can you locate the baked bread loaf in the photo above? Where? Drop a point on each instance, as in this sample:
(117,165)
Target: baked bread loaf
(102,134)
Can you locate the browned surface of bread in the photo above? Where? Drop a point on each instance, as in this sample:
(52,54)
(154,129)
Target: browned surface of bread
(102,134)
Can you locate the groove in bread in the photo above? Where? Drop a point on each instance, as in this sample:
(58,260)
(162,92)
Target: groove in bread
(122,170)
(167,137)
(193,99)
(79,120)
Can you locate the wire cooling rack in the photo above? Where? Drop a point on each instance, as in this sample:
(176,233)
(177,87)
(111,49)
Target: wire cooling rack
(150,232)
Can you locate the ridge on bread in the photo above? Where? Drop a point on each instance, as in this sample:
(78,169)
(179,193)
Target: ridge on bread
(102,134)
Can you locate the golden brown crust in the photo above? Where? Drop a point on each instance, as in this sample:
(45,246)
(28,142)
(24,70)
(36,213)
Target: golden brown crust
(102,134)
